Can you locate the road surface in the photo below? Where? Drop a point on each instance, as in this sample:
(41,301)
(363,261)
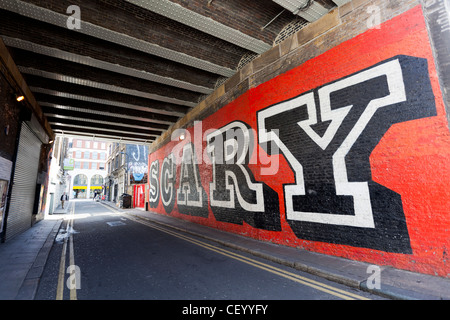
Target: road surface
(102,254)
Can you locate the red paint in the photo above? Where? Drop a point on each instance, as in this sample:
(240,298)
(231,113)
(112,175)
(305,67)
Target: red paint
(411,159)
(139,196)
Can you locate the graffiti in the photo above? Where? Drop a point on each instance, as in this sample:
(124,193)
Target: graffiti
(137,157)
(344,154)
(326,136)
(191,197)
(153,195)
(235,196)
(337,126)
(167,185)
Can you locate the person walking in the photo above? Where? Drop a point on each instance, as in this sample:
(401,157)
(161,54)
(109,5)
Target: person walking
(64,198)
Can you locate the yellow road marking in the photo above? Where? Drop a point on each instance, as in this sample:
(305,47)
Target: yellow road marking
(280,272)
(62,267)
(62,263)
(73,290)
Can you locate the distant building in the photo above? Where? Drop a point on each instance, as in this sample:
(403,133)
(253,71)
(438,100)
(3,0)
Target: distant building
(89,163)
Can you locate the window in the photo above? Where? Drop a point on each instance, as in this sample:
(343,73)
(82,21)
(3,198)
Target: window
(79,143)
(95,145)
(78,154)
(77,165)
(102,156)
(94,155)
(96,180)
(87,155)
(88,144)
(80,180)
(103,145)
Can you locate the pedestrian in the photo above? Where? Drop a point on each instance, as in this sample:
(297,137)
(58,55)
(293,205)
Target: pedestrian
(64,197)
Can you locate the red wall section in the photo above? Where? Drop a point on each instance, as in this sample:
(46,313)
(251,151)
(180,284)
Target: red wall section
(388,167)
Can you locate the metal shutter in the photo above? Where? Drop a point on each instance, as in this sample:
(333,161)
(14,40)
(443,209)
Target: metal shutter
(24,183)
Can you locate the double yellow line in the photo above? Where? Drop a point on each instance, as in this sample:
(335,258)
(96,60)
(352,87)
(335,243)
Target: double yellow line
(280,272)
(62,263)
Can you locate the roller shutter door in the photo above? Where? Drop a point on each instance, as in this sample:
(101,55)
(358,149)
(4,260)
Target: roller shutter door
(24,183)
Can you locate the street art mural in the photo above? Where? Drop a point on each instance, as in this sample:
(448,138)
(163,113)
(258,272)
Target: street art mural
(334,198)
(137,159)
(348,162)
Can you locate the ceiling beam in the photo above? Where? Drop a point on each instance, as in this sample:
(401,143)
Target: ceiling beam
(87,112)
(95,122)
(309,10)
(112,120)
(91,62)
(340,2)
(102,86)
(170,110)
(91,107)
(204,24)
(42,14)
(77,132)
(99,138)
(100,91)
(102,127)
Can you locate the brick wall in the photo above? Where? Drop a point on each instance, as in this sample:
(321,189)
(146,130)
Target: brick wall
(334,141)
(9,130)
(9,121)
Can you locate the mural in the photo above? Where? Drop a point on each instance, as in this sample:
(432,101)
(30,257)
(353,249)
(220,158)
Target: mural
(137,158)
(346,162)
(235,196)
(334,198)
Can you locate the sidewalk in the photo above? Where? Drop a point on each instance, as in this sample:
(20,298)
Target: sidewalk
(60,210)
(395,283)
(22,260)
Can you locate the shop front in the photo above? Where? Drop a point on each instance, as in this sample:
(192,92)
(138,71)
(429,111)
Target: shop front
(79,192)
(79,189)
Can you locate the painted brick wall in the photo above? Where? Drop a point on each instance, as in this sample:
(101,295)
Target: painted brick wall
(335,141)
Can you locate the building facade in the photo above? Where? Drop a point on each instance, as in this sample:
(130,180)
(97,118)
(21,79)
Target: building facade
(58,174)
(89,163)
(127,167)
(115,180)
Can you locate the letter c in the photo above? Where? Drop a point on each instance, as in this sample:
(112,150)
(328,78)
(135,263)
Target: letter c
(231,309)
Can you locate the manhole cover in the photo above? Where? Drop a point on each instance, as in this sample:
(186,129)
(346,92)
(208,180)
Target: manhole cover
(115,223)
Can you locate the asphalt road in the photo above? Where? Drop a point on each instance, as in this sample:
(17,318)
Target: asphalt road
(100,254)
